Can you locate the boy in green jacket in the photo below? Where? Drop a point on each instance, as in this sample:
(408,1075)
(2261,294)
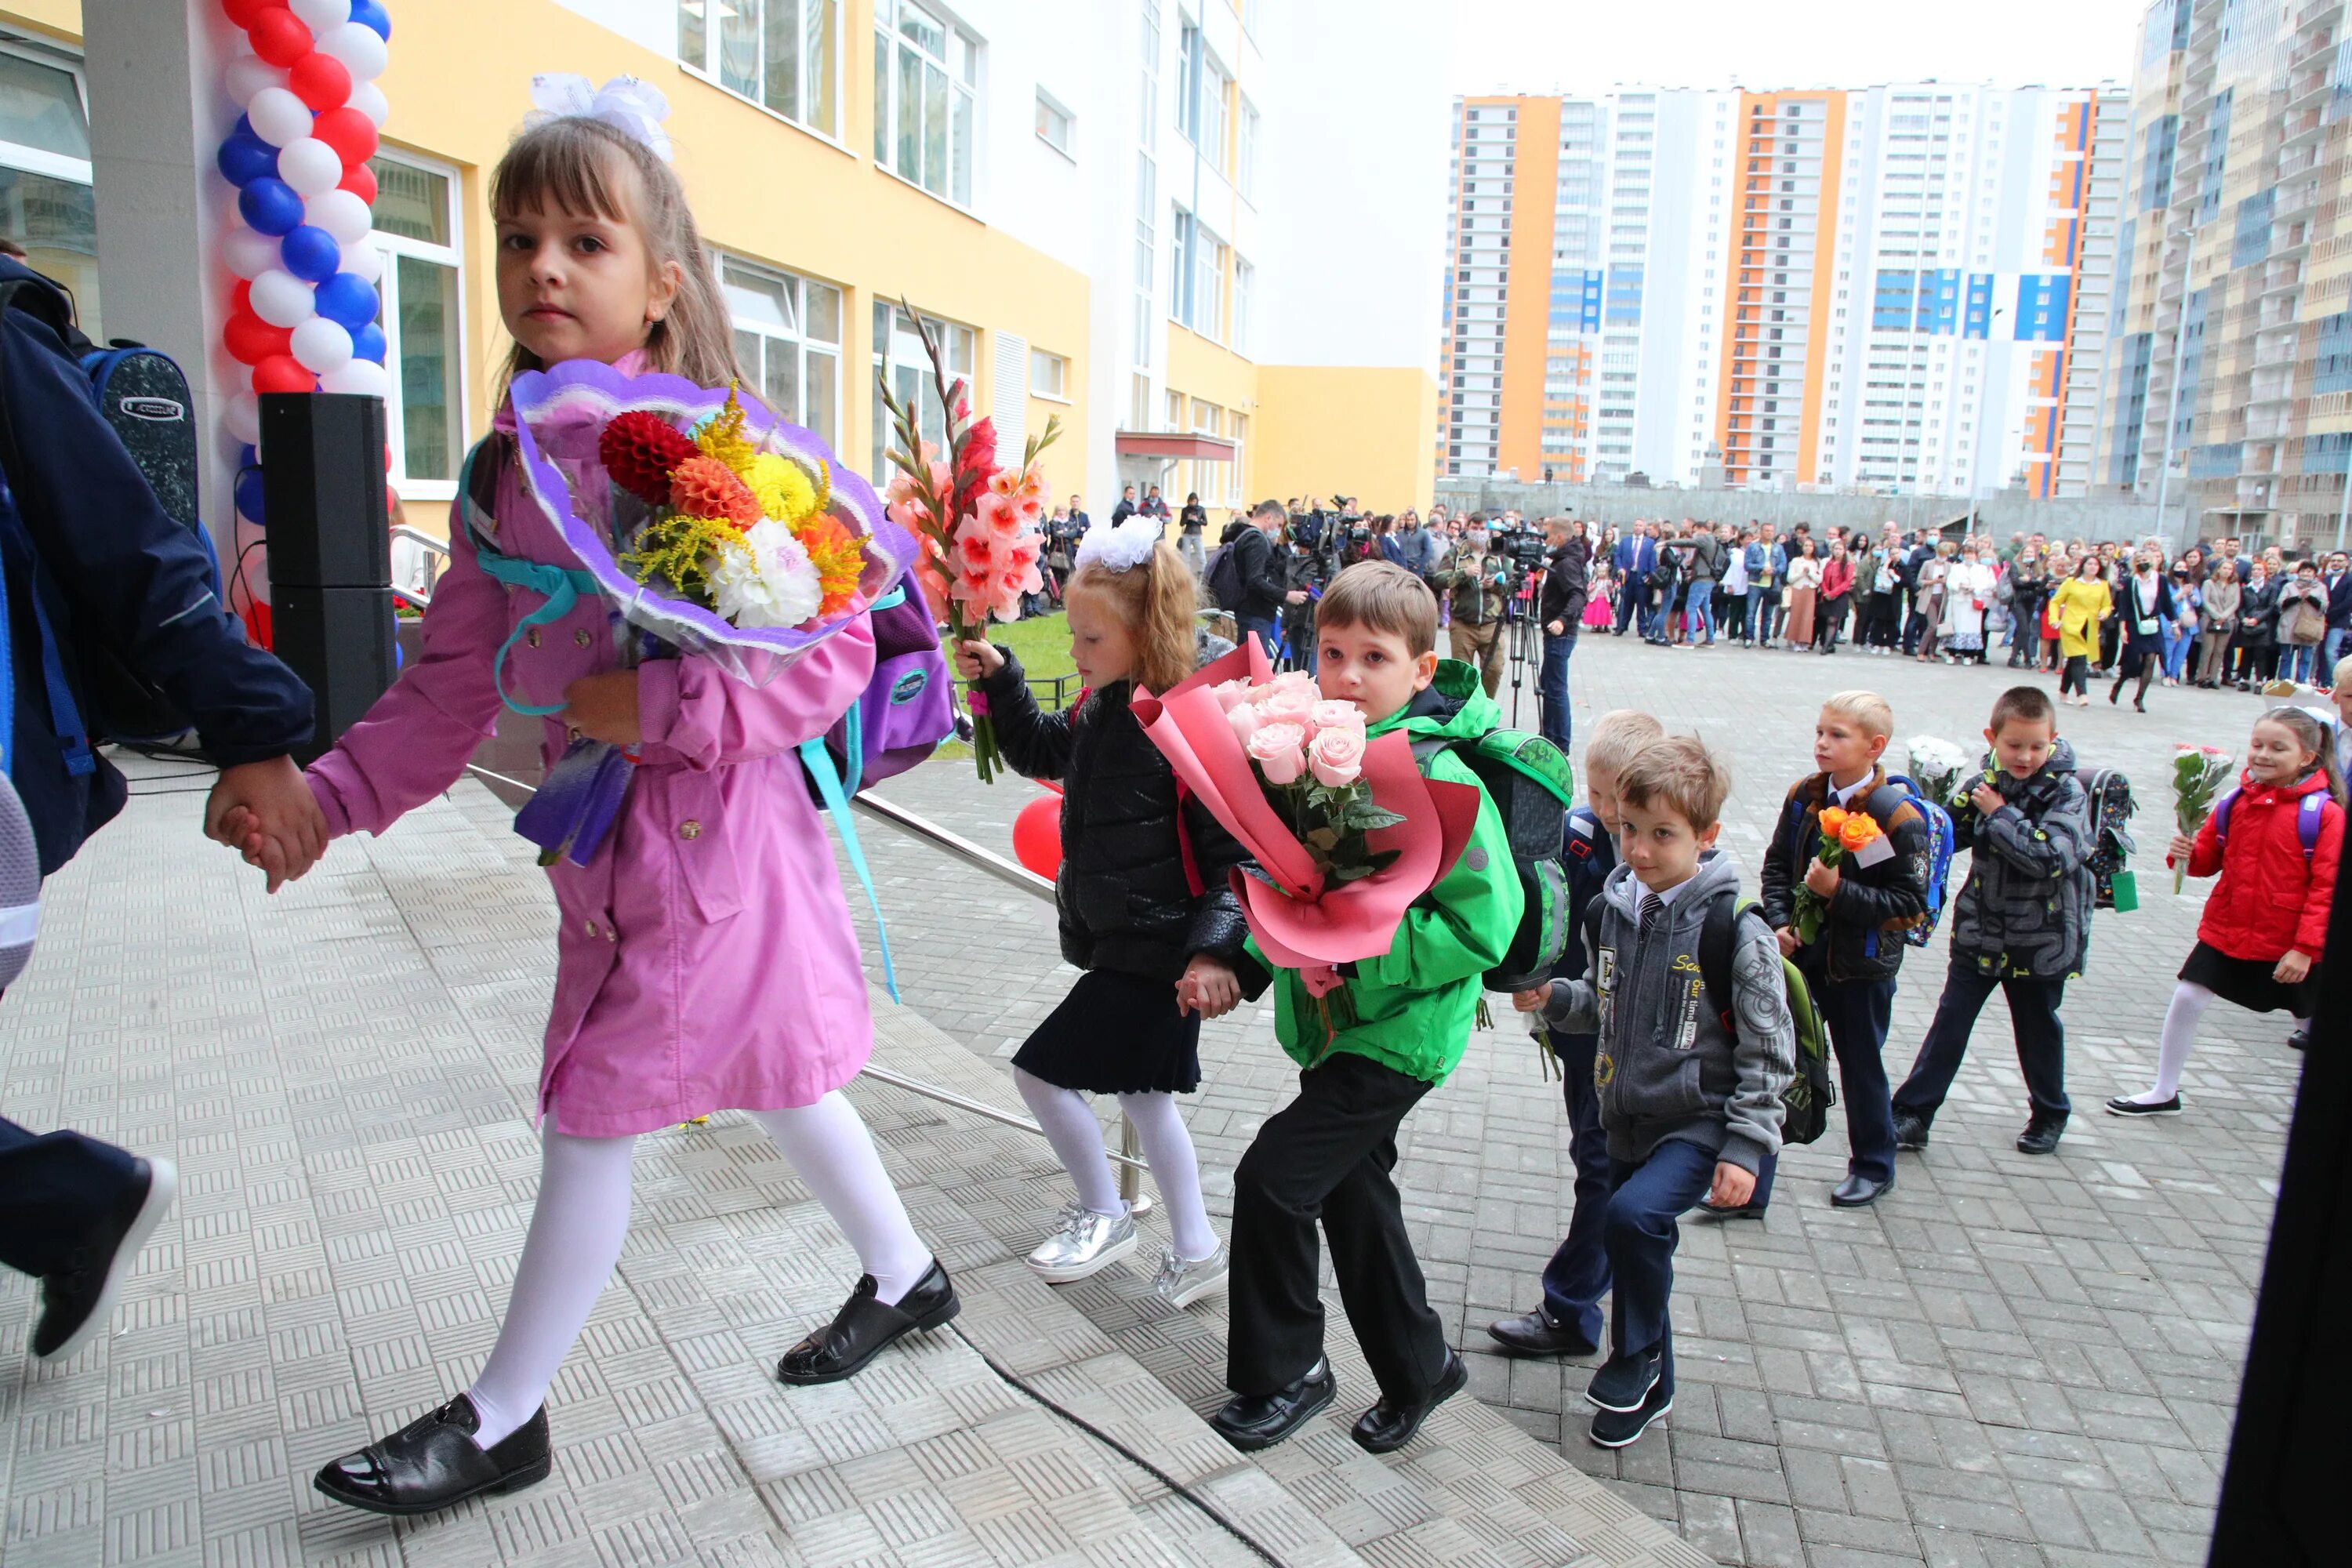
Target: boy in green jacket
(1329,1152)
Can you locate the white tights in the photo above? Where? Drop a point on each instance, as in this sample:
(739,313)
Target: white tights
(2190,1001)
(583,1216)
(1070,1126)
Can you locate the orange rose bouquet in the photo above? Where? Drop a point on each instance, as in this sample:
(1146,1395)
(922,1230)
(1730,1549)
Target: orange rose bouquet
(1844,833)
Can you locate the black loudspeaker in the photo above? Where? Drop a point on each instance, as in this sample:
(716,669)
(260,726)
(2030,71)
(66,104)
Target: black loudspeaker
(323,456)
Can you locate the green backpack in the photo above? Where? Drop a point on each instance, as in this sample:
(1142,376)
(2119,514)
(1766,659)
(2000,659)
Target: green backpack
(1532,786)
(1811,1091)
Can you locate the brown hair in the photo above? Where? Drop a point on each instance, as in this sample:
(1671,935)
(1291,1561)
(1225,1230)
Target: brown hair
(1386,598)
(1867,708)
(1155,602)
(575,165)
(1679,772)
(1618,736)
(2026,705)
(2311,735)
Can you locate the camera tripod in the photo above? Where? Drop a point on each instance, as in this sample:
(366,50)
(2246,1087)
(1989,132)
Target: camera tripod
(1523,634)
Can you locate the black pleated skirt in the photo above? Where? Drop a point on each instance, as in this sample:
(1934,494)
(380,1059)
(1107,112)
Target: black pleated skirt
(2250,983)
(1117,1033)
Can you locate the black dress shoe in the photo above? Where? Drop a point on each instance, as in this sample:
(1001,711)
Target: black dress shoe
(1386,1427)
(434,1462)
(77,1300)
(1750,1210)
(1254,1421)
(1533,1333)
(2041,1135)
(1910,1129)
(1855,1192)
(863,1327)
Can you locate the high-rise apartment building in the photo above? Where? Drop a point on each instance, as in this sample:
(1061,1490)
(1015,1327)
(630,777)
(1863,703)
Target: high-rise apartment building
(2229,370)
(1874,288)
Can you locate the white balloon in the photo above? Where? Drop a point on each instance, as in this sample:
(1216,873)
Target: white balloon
(247,254)
(363,377)
(320,15)
(248,74)
(340,213)
(364,261)
(283,300)
(278,116)
(370,100)
(310,166)
(358,45)
(322,346)
(243,417)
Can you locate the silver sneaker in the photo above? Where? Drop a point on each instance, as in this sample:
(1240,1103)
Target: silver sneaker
(1083,1243)
(1183,1282)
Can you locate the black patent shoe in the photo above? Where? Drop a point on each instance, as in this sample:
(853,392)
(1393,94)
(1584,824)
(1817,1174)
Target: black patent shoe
(434,1462)
(1859,1191)
(864,1327)
(1386,1427)
(1535,1333)
(78,1300)
(1254,1421)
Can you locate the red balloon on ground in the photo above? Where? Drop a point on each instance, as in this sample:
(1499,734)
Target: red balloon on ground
(283,372)
(250,340)
(243,12)
(360,180)
(1037,836)
(351,133)
(320,81)
(278,37)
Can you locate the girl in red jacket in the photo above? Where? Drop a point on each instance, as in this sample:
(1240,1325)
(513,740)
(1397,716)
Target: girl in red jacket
(2276,840)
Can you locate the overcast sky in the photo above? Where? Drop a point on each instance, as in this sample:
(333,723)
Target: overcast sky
(1591,46)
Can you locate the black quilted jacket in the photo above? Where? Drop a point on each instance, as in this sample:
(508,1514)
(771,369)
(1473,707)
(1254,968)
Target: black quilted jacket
(1122,894)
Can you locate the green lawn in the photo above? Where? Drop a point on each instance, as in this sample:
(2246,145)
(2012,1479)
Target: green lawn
(1042,646)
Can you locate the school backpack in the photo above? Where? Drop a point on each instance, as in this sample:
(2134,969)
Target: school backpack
(1223,575)
(1532,786)
(1811,1093)
(2111,807)
(1942,844)
(2308,817)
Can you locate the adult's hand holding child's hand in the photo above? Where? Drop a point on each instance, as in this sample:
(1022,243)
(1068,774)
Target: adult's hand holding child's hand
(976,660)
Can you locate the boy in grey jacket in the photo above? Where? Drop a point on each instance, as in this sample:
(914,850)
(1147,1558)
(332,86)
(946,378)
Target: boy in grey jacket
(1690,1084)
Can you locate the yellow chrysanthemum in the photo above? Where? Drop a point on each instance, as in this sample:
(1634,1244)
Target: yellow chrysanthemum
(721,437)
(782,489)
(673,549)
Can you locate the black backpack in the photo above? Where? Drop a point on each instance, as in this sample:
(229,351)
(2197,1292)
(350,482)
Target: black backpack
(2111,811)
(1223,577)
(1811,1091)
(1532,785)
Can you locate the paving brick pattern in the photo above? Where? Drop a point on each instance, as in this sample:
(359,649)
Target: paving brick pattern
(2009,1361)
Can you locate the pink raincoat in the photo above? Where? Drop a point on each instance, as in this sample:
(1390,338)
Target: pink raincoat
(705,960)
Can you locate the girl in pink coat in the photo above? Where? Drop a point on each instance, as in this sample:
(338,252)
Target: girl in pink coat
(706,958)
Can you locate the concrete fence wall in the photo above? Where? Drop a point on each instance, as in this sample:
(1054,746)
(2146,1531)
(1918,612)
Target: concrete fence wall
(1998,516)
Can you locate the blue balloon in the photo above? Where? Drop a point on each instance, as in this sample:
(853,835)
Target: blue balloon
(367,343)
(271,206)
(248,496)
(310,253)
(349,299)
(245,159)
(248,455)
(244,127)
(372,14)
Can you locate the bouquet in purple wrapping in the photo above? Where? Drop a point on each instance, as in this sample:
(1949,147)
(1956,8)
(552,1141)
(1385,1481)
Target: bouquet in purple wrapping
(711,527)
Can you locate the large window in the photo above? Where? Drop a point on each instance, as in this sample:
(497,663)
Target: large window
(1054,127)
(899,355)
(1208,284)
(1179,271)
(45,182)
(1244,282)
(784,55)
(788,341)
(424,329)
(1238,427)
(1245,154)
(926,74)
(1211,140)
(1049,375)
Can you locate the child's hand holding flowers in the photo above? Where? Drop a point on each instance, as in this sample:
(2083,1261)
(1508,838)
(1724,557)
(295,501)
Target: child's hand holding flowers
(1844,833)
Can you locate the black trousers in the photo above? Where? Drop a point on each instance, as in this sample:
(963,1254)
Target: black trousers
(1327,1155)
(2041,1041)
(57,1191)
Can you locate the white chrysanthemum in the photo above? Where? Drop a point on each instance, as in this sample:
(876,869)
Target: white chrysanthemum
(766,581)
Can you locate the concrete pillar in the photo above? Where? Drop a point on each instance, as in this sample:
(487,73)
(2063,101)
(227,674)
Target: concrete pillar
(157,113)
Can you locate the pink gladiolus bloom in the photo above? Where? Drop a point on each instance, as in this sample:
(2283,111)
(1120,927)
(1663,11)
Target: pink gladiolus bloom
(1019,553)
(975,552)
(1000,515)
(1338,757)
(1280,752)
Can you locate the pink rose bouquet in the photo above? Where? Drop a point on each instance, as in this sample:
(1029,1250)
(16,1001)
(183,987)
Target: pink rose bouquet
(1309,755)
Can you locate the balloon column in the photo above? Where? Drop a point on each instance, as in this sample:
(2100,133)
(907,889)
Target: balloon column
(302,315)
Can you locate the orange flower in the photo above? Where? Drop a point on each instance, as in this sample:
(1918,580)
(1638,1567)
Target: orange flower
(1832,821)
(1858,831)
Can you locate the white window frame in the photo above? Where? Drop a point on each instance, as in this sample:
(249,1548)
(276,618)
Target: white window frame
(1237,431)
(706,69)
(1209,252)
(460,358)
(1056,369)
(796,335)
(892,46)
(1245,280)
(51,165)
(1049,109)
(1215,117)
(1245,153)
(1183,235)
(962,344)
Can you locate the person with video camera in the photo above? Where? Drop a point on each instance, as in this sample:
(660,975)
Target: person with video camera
(1478,590)
(1559,608)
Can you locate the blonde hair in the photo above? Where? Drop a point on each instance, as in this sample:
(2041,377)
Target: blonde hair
(575,165)
(1386,598)
(1618,736)
(1155,602)
(1867,708)
(1680,772)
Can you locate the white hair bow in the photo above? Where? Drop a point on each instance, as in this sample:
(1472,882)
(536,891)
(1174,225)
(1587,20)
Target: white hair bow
(1120,547)
(634,107)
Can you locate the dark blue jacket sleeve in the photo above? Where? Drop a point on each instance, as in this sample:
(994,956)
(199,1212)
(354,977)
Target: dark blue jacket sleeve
(133,579)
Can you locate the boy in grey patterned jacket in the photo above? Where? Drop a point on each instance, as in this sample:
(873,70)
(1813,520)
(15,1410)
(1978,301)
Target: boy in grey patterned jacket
(1690,1084)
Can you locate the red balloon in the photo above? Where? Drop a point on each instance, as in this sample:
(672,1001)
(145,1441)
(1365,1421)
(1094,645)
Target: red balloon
(250,340)
(351,133)
(322,82)
(278,37)
(360,180)
(240,297)
(243,12)
(1037,836)
(283,372)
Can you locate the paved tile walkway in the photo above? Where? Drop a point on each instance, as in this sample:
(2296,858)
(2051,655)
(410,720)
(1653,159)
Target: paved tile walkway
(2009,1361)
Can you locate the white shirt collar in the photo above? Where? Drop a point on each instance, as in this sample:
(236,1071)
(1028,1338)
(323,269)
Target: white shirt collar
(1845,796)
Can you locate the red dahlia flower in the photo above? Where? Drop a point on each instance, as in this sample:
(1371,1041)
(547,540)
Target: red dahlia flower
(639,451)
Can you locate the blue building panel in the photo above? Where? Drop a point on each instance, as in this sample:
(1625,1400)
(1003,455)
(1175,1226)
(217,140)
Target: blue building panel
(2252,242)
(2042,299)
(1624,305)
(1978,323)
(1891,306)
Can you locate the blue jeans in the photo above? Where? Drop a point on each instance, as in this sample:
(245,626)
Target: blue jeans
(2177,645)
(1763,605)
(1262,625)
(1551,686)
(2295,661)
(1577,1275)
(1639,1234)
(2331,649)
(1698,608)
